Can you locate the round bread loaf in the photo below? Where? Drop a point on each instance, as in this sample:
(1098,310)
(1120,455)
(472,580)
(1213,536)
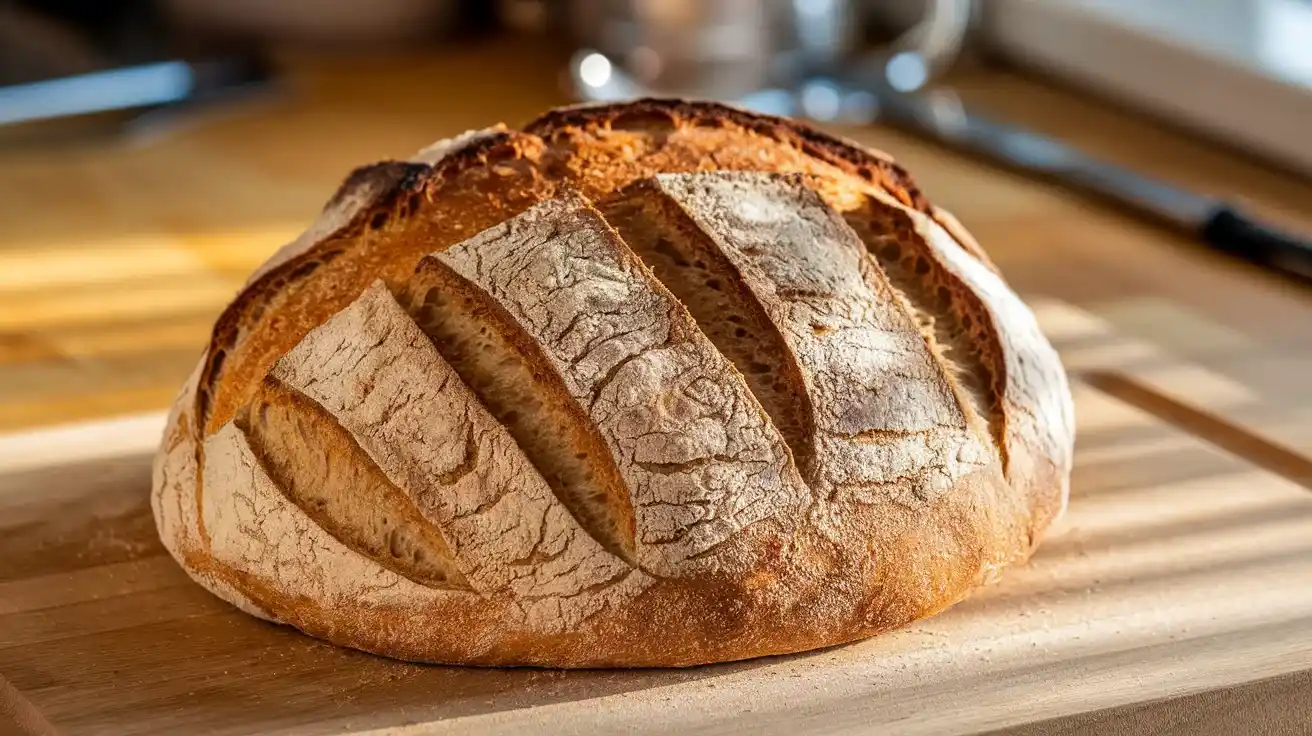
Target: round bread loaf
(649,384)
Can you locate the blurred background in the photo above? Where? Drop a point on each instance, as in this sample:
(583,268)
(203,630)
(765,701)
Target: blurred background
(152,153)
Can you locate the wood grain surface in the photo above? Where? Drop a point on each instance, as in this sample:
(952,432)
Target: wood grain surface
(1179,585)
(1183,570)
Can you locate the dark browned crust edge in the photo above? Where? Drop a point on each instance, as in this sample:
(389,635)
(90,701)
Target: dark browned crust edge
(398,180)
(875,168)
(872,166)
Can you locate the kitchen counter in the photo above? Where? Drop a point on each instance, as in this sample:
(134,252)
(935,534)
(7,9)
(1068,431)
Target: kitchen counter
(115,259)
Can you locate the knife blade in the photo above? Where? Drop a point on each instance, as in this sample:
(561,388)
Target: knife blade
(1213,221)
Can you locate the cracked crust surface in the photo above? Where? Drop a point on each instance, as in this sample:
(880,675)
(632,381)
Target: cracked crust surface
(885,417)
(376,373)
(700,460)
(933,431)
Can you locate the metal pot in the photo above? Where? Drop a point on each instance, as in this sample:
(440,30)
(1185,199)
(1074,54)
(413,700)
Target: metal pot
(714,48)
(729,48)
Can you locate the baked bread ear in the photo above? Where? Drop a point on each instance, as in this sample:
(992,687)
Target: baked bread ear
(649,384)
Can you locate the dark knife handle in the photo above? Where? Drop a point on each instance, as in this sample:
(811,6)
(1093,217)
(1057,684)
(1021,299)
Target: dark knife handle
(1235,233)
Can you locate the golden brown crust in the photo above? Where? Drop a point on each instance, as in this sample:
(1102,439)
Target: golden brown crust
(763,143)
(874,167)
(842,566)
(402,189)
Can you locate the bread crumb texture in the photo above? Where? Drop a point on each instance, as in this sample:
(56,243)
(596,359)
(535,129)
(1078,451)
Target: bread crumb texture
(648,384)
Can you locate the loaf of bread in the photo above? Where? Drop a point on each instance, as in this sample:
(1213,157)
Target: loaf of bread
(648,384)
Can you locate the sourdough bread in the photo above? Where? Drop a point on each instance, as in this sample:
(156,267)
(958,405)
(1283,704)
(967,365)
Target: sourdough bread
(648,384)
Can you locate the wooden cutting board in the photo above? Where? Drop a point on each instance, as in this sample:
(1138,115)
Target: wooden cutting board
(1174,597)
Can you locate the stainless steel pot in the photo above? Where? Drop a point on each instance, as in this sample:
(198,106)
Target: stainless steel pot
(729,48)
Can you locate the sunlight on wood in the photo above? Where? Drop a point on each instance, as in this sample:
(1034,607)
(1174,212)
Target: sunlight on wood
(1175,329)
(146,298)
(129,435)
